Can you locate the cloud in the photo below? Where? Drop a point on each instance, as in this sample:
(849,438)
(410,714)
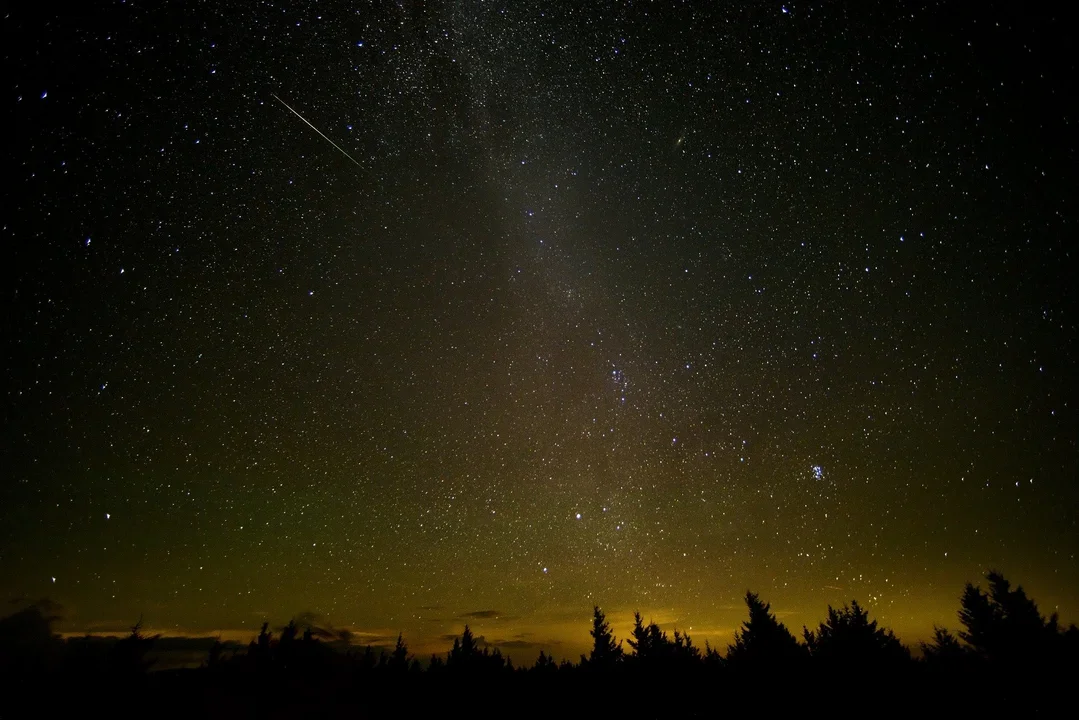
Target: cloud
(358,637)
(324,630)
(484,615)
(173,643)
(519,644)
(481,614)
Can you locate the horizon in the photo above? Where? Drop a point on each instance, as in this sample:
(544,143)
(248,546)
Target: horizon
(514,638)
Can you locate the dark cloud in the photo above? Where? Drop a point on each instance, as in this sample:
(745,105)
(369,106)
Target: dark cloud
(521,645)
(176,643)
(521,641)
(377,641)
(483,615)
(324,630)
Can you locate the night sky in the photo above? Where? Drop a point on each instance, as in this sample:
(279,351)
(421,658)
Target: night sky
(415,314)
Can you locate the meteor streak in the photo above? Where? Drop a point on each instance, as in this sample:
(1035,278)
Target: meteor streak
(331,142)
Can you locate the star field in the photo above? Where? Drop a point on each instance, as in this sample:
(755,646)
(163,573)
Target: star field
(636,304)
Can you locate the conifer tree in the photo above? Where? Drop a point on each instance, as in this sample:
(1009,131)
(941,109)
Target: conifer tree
(944,649)
(128,656)
(545,663)
(399,657)
(850,638)
(763,640)
(712,658)
(1004,625)
(606,653)
(640,638)
(465,653)
(468,643)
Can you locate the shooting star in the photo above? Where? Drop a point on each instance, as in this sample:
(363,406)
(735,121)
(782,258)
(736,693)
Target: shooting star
(331,142)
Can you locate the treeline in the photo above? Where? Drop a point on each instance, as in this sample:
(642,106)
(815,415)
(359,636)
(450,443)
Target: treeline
(1004,645)
(1001,627)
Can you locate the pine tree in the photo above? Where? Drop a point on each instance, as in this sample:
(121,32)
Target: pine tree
(468,643)
(848,637)
(980,620)
(128,656)
(1004,626)
(465,653)
(545,663)
(263,646)
(653,649)
(712,658)
(606,653)
(685,654)
(945,650)
(399,658)
(289,632)
(640,638)
(214,659)
(285,653)
(763,640)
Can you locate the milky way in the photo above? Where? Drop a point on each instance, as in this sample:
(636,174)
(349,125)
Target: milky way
(639,304)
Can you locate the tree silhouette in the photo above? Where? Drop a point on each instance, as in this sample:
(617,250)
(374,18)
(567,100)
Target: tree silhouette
(849,638)
(763,640)
(648,641)
(289,632)
(128,656)
(712,659)
(1006,651)
(684,652)
(466,655)
(468,642)
(1005,627)
(215,658)
(260,648)
(606,653)
(368,660)
(945,651)
(545,663)
(27,642)
(399,657)
(653,649)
